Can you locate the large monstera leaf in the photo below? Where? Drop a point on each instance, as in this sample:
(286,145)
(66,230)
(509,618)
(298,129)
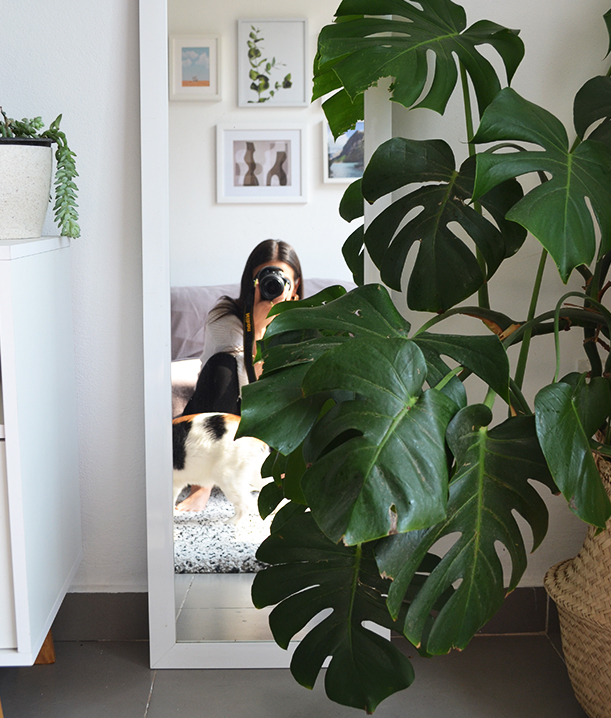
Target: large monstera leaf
(557,211)
(308,575)
(353,56)
(491,481)
(446,270)
(391,471)
(568,413)
(275,408)
(377,459)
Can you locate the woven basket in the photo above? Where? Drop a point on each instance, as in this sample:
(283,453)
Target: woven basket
(581,589)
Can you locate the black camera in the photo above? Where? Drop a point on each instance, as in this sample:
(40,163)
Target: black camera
(272,282)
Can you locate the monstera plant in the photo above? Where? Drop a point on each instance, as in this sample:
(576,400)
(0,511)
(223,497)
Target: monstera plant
(380,451)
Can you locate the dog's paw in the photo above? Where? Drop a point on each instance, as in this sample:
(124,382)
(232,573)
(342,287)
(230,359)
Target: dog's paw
(236,518)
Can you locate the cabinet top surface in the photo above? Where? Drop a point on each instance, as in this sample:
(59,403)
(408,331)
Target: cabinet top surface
(17,248)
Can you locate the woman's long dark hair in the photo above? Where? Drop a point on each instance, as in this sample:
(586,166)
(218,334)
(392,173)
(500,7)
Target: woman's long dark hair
(270,250)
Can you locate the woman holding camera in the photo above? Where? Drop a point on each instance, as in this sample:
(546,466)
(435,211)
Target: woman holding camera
(272,274)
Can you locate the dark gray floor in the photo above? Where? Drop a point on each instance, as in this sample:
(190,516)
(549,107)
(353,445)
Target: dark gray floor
(496,677)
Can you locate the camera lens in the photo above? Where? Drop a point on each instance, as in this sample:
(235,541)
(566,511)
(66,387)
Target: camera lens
(272,282)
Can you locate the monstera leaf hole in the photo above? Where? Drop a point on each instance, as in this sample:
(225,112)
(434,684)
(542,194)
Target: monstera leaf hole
(595,222)
(335,443)
(431,64)
(441,547)
(392,512)
(504,557)
(526,532)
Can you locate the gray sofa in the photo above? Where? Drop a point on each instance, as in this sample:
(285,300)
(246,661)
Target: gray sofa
(189,310)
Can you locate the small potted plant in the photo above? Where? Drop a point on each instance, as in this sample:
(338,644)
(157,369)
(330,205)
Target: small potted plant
(381,449)
(25,183)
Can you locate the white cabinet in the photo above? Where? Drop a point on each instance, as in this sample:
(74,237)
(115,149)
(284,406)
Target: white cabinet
(40,537)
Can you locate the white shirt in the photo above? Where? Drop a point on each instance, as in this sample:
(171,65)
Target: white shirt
(225,334)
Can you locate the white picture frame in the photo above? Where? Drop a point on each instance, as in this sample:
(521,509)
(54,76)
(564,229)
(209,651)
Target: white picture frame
(195,67)
(334,169)
(281,63)
(258,164)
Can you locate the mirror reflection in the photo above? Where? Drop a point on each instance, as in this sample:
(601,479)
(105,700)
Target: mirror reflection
(213,232)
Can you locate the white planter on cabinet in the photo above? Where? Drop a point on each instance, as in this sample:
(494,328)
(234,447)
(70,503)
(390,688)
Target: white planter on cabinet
(26,166)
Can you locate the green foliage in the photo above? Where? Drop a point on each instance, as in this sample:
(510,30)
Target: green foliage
(490,482)
(593,104)
(390,467)
(556,212)
(353,57)
(66,214)
(309,574)
(568,414)
(261,69)
(386,454)
(446,270)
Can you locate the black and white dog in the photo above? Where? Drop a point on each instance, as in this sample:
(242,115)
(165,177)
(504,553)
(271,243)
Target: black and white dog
(206,453)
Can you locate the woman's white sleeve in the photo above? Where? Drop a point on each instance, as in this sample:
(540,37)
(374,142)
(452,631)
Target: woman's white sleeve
(223,335)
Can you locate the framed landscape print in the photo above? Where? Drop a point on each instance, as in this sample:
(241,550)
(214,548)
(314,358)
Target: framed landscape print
(260,164)
(195,67)
(344,157)
(272,63)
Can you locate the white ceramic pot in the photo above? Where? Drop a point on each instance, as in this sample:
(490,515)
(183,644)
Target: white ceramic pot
(26,166)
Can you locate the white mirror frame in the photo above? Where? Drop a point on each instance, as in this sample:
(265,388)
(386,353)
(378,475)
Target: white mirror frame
(165,651)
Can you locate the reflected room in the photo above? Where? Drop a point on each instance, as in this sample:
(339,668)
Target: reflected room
(249,161)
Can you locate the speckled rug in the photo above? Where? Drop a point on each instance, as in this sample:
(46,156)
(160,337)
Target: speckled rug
(205,543)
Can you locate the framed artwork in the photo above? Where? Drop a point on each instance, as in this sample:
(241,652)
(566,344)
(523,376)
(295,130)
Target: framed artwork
(195,70)
(256,164)
(272,63)
(344,157)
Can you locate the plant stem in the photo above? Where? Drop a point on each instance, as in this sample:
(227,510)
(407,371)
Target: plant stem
(602,270)
(573,316)
(592,289)
(518,398)
(448,377)
(6,129)
(483,297)
(468,111)
(355,578)
(605,315)
(541,325)
(523,358)
(490,398)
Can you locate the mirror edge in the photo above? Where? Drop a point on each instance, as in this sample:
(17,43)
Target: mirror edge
(156,321)
(165,652)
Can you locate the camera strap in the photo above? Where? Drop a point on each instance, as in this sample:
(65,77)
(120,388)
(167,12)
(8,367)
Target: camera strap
(249,335)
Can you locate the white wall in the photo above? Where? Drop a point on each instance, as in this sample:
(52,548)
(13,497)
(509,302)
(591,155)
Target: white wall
(210,242)
(82,59)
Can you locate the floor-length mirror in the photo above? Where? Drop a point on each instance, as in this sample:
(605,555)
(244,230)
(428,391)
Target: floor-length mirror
(213,229)
(198,229)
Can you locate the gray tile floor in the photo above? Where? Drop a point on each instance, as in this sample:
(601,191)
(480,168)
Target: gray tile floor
(495,677)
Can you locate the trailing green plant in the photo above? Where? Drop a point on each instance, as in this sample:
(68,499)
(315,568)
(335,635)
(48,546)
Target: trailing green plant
(380,452)
(261,69)
(65,207)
